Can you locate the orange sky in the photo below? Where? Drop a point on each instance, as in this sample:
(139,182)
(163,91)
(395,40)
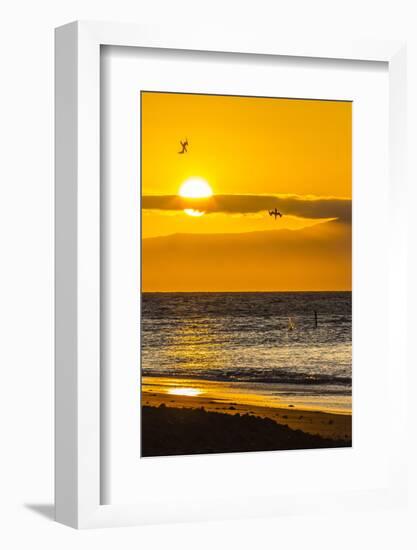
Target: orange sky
(246,146)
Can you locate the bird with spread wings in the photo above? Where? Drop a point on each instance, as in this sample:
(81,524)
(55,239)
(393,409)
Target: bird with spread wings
(184,145)
(275,213)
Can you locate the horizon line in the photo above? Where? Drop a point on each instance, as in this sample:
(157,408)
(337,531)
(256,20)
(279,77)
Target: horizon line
(235,291)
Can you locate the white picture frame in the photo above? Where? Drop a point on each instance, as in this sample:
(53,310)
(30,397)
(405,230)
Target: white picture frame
(78,405)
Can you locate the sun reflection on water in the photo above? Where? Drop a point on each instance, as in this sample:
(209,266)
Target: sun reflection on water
(189,392)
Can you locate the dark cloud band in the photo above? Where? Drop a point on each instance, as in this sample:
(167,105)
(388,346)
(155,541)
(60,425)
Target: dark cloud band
(293,205)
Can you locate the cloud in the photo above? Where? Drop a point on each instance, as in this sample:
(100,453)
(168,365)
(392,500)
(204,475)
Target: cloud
(292,205)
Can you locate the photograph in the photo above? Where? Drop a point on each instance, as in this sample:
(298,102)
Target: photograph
(246,273)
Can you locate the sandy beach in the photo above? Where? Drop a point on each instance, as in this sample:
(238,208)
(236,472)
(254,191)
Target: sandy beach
(176,417)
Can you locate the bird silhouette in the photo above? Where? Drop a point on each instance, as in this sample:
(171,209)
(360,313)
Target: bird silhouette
(184,145)
(275,213)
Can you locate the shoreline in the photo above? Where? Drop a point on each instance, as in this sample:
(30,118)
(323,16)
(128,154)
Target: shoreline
(188,394)
(315,397)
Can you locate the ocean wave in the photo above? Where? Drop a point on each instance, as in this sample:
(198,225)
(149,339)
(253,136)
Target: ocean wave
(273,377)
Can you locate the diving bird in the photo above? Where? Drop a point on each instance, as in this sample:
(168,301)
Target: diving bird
(275,213)
(184,145)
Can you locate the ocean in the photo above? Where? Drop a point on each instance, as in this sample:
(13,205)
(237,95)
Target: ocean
(262,344)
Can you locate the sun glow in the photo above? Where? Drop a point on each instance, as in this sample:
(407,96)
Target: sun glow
(195,188)
(192,212)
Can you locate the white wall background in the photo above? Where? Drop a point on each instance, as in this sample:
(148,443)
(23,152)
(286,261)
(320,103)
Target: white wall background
(26,268)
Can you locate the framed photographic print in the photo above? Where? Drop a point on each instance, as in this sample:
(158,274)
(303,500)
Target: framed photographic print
(229,342)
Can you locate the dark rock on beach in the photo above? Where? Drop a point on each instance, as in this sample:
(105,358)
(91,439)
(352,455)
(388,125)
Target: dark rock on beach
(183,431)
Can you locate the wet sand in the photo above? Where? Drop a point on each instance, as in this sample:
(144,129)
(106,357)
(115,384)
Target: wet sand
(325,424)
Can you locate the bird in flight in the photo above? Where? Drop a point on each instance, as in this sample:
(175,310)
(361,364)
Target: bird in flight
(184,145)
(275,213)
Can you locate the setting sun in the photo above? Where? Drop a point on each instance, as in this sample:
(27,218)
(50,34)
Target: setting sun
(195,188)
